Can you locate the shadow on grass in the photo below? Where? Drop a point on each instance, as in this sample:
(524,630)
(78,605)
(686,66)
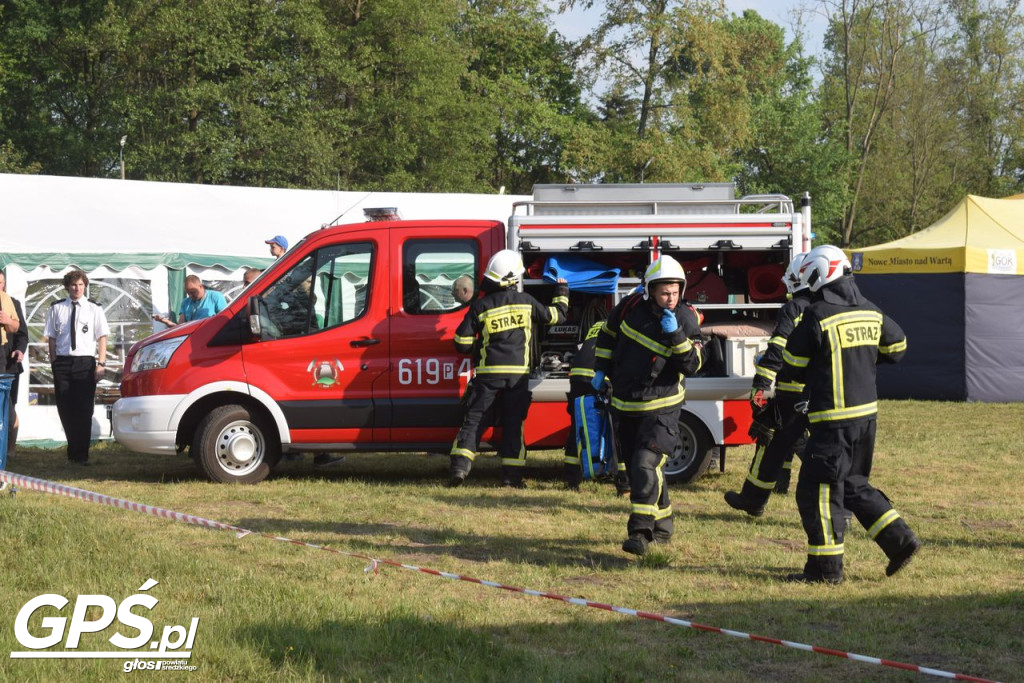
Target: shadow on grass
(425,642)
(417,543)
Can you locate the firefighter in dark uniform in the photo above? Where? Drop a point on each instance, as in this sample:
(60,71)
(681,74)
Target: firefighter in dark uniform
(497,330)
(834,350)
(645,349)
(779,427)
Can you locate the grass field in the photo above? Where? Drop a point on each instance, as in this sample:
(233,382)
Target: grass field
(273,611)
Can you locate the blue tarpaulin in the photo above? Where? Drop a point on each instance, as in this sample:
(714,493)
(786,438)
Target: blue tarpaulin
(582,274)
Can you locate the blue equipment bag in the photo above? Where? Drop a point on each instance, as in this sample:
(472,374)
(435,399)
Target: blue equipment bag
(593,436)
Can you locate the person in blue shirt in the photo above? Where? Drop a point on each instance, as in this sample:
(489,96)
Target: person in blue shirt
(198,303)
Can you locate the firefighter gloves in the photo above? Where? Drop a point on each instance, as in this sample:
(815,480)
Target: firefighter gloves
(598,381)
(759,399)
(669,324)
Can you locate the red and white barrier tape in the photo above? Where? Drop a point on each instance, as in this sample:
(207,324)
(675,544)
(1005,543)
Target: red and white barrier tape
(91,497)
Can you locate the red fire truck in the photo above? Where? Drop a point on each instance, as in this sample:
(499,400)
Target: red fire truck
(345,343)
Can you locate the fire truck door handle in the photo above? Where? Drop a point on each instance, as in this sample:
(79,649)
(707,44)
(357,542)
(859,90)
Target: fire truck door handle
(364,342)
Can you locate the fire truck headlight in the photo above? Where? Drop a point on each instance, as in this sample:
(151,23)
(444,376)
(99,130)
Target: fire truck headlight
(156,356)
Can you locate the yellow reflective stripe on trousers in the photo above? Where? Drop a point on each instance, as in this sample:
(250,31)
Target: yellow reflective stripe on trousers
(830,547)
(755,466)
(654,510)
(825,550)
(463,452)
(520,460)
(882,522)
(843,413)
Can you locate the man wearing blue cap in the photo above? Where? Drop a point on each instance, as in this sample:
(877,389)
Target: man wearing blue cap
(278,245)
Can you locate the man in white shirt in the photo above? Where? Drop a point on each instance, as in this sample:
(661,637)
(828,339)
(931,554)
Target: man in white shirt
(76,331)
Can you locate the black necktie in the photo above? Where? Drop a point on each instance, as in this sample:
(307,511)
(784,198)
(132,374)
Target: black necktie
(74,322)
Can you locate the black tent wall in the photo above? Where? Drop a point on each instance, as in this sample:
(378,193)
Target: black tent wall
(930,308)
(994,322)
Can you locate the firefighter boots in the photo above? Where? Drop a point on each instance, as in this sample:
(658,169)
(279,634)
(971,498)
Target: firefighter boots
(739,502)
(901,558)
(512,477)
(636,544)
(573,475)
(458,470)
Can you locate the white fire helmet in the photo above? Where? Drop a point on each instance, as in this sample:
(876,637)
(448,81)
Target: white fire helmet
(505,268)
(823,265)
(792,276)
(665,269)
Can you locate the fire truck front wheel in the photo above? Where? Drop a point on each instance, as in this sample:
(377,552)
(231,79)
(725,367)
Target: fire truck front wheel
(234,444)
(695,452)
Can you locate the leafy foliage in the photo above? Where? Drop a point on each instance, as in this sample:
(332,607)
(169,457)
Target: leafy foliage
(917,102)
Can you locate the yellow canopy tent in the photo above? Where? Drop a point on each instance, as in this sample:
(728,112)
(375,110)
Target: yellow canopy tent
(957,290)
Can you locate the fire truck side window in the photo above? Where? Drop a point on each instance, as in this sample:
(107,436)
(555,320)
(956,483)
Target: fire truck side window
(438,275)
(328,288)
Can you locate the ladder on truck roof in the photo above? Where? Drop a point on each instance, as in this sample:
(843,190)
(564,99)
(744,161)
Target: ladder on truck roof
(648,199)
(581,218)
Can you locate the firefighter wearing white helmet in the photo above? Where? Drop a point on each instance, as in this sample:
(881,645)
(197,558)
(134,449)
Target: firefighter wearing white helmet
(834,350)
(778,428)
(823,265)
(505,268)
(497,330)
(649,342)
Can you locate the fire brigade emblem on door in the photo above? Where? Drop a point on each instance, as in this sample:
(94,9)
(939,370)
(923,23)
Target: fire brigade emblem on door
(325,373)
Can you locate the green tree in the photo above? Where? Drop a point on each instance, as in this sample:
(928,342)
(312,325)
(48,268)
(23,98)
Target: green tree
(672,105)
(987,56)
(61,74)
(789,151)
(524,74)
(867,45)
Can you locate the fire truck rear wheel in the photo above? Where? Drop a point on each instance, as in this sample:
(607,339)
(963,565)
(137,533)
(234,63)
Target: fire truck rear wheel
(695,451)
(233,444)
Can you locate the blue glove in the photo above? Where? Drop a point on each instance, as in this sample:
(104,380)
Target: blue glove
(598,381)
(669,324)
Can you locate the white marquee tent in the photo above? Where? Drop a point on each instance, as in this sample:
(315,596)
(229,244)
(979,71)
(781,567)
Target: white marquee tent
(137,241)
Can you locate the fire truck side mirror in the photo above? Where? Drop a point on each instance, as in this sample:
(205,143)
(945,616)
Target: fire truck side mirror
(255,324)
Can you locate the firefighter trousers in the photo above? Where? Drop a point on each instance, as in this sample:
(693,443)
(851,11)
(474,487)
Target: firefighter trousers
(833,478)
(645,442)
(772,457)
(511,396)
